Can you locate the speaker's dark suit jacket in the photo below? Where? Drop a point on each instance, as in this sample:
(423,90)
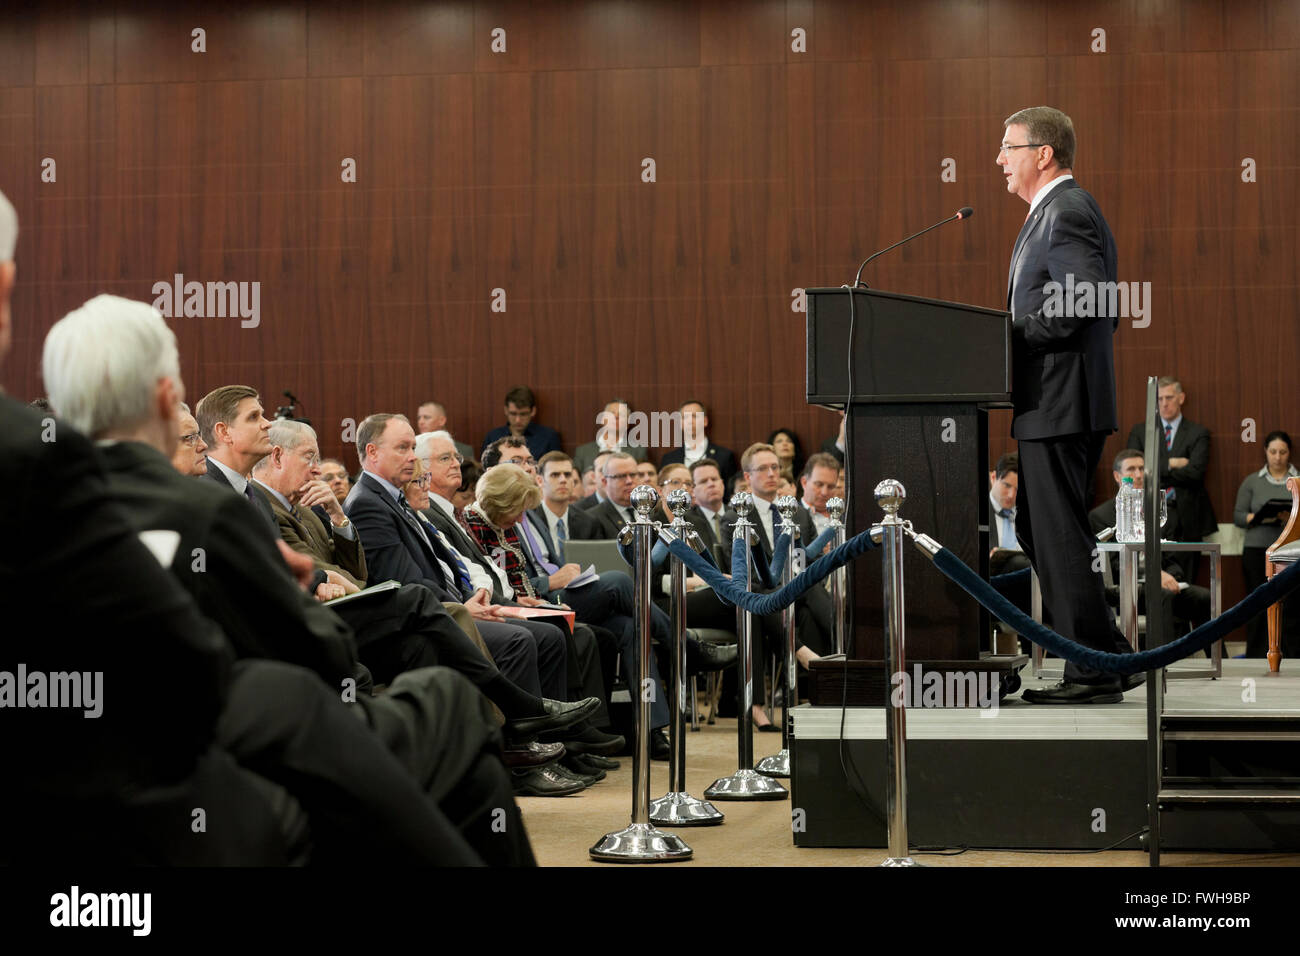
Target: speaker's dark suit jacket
(396,548)
(1191,506)
(1063,365)
(725,457)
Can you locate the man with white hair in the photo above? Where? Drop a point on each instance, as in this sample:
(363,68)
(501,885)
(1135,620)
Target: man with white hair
(191,457)
(112,370)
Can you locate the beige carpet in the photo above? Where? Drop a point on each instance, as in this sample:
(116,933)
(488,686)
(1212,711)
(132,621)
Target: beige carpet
(563,829)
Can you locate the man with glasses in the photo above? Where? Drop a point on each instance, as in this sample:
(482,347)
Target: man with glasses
(191,457)
(335,474)
(554,519)
(1064,373)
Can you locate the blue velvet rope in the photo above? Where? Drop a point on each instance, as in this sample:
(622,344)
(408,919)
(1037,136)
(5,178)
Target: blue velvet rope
(1254,603)
(1001,581)
(731,593)
(658,554)
(814,550)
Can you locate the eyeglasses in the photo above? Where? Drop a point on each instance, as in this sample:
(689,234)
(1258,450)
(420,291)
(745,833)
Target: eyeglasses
(191,439)
(521,462)
(421,482)
(759,469)
(679,483)
(1008,147)
(449,457)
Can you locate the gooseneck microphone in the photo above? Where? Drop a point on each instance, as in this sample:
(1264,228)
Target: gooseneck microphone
(965,212)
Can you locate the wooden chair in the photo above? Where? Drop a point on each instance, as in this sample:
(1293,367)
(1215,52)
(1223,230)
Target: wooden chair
(1284,551)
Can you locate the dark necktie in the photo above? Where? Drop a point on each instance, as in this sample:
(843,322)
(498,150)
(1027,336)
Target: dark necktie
(1169,444)
(561,538)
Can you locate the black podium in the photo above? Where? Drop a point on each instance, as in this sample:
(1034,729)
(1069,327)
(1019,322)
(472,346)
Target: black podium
(924,372)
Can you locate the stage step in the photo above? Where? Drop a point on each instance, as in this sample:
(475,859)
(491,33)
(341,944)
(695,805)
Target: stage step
(1242,797)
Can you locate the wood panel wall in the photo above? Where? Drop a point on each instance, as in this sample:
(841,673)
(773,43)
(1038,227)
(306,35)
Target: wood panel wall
(521,170)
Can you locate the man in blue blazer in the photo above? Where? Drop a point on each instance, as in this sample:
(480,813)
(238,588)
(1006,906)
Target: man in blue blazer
(1063,319)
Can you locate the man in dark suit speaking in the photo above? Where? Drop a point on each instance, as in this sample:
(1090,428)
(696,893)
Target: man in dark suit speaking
(1064,385)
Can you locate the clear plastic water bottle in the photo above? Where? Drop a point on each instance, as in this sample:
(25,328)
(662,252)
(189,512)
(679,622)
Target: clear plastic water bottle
(1128,512)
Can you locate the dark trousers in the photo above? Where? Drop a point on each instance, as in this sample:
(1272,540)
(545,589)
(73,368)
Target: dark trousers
(367,789)
(1053,530)
(532,654)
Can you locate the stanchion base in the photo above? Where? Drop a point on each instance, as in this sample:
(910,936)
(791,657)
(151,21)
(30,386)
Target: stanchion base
(746,785)
(901,861)
(640,843)
(683,810)
(777,765)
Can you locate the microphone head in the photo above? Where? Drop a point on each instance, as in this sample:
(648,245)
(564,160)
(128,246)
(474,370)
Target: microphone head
(965,212)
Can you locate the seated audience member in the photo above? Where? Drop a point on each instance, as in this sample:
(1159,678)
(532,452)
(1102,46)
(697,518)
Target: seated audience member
(787,486)
(597,495)
(109,790)
(696,444)
(647,474)
(611,435)
(710,504)
(498,524)
(191,458)
(1183,603)
(820,474)
(788,451)
(586,674)
(432,417)
(432,732)
(1267,484)
(555,517)
(234,428)
(335,474)
(470,472)
(1005,553)
(521,409)
(586,487)
(399,548)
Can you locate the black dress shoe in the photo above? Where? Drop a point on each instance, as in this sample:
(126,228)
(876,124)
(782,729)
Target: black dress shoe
(659,746)
(557,715)
(593,741)
(590,763)
(1129,681)
(573,764)
(709,657)
(1069,693)
(768,728)
(530,754)
(544,782)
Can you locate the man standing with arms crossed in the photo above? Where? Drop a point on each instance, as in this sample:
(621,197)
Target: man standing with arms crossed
(1064,374)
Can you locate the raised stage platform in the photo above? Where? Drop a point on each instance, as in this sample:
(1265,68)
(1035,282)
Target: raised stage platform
(1038,776)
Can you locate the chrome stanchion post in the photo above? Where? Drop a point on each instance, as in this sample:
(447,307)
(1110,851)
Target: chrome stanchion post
(890,495)
(641,842)
(677,807)
(778,765)
(835,508)
(745,783)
